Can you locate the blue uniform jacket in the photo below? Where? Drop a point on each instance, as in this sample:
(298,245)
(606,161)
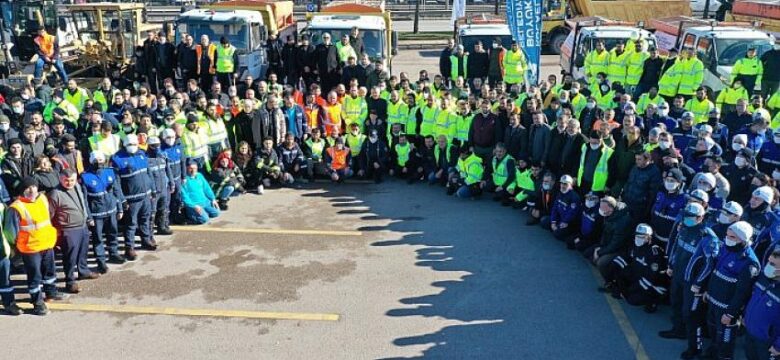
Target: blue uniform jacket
(174,155)
(699,245)
(665,211)
(566,208)
(755,141)
(589,220)
(160,171)
(133,170)
(729,286)
(682,138)
(769,157)
(103,191)
(762,317)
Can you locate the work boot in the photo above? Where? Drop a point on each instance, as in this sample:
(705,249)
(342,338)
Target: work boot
(102,268)
(673,333)
(72,288)
(222,204)
(152,246)
(9,305)
(90,276)
(689,354)
(116,259)
(39,307)
(164,230)
(130,255)
(54,295)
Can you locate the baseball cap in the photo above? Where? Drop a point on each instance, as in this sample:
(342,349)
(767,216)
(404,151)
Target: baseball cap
(644,229)
(567,179)
(694,209)
(742,229)
(764,193)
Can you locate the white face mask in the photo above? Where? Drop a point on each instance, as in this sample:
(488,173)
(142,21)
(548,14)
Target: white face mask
(730,242)
(663,112)
(769,271)
(131,149)
(591,203)
(737,146)
(670,185)
(595,146)
(170,141)
(740,161)
(18,110)
(5,126)
(495,46)
(591,105)
(639,241)
(546,186)
(373,139)
(664,144)
(602,213)
(762,131)
(724,219)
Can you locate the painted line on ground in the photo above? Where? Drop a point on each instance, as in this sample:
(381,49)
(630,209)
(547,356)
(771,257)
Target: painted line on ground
(266,231)
(623,322)
(152,310)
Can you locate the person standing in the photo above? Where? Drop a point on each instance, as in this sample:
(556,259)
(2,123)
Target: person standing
(206,54)
(327,63)
(770,61)
(187,59)
(166,62)
(27,224)
(273,47)
(132,165)
(444,58)
(496,64)
(478,64)
(226,63)
(762,320)
(70,215)
(749,70)
(162,176)
(104,197)
(6,288)
(290,54)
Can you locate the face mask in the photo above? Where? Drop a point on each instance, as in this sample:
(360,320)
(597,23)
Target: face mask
(591,105)
(485,112)
(169,141)
(132,149)
(595,146)
(25,97)
(495,46)
(590,203)
(670,185)
(18,110)
(740,161)
(5,126)
(689,221)
(724,219)
(737,146)
(127,128)
(546,187)
(373,139)
(602,213)
(730,243)
(663,112)
(769,271)
(664,145)
(639,241)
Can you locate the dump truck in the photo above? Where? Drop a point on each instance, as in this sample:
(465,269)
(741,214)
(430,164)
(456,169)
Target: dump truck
(556,12)
(717,45)
(590,30)
(371,18)
(767,12)
(246,24)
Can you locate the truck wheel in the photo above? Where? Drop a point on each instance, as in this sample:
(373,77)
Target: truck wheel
(556,42)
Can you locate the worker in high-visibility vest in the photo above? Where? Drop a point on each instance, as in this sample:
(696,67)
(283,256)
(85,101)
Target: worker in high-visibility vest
(344,49)
(749,70)
(76,95)
(216,131)
(500,173)
(355,109)
(459,63)
(618,62)
(48,50)
(194,141)
(670,79)
(226,61)
(635,64)
(105,142)
(28,225)
(700,106)
(104,94)
(206,54)
(728,97)
(597,61)
(397,110)
(515,65)
(691,74)
(465,183)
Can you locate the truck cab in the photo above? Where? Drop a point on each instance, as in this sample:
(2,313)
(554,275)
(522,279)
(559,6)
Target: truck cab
(584,38)
(244,29)
(484,29)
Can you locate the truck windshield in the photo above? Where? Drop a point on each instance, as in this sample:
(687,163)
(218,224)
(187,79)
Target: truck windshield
(731,50)
(237,33)
(609,44)
(487,41)
(373,40)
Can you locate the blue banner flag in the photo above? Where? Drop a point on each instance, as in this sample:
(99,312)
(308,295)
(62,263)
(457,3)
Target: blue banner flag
(525,24)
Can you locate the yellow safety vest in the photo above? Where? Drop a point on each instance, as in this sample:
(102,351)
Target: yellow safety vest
(194,143)
(455,65)
(616,70)
(515,65)
(670,80)
(355,143)
(316,148)
(601,172)
(225,62)
(645,100)
(411,121)
(596,63)
(463,125)
(100,97)
(345,51)
(748,67)
(470,169)
(402,153)
(445,124)
(78,99)
(500,170)
(700,109)
(396,112)
(107,145)
(216,131)
(355,111)
(429,120)
(692,75)
(636,65)
(730,96)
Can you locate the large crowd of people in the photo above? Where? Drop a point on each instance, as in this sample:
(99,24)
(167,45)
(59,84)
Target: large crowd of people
(671,195)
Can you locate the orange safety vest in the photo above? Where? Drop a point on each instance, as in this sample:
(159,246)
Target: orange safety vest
(312,117)
(199,52)
(333,114)
(36,233)
(46,42)
(339,158)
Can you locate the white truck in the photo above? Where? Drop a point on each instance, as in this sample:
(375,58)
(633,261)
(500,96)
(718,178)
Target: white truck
(244,29)
(482,28)
(589,31)
(717,45)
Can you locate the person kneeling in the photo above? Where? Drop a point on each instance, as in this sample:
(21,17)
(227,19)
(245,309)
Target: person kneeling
(226,179)
(466,182)
(337,159)
(200,204)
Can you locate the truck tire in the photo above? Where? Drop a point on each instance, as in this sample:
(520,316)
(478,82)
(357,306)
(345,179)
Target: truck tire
(556,42)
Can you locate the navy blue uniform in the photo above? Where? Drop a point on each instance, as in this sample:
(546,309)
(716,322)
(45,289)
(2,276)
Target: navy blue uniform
(104,198)
(762,319)
(565,210)
(178,169)
(666,209)
(138,187)
(161,173)
(727,293)
(682,138)
(769,157)
(590,229)
(640,275)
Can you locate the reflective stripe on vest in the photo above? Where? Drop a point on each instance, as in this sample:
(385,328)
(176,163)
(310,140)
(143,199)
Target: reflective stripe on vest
(216,131)
(338,157)
(316,148)
(500,171)
(193,144)
(107,145)
(225,63)
(601,173)
(394,113)
(429,120)
(36,232)
(355,143)
(437,151)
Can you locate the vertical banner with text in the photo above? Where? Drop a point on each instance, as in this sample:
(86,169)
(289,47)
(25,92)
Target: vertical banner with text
(525,23)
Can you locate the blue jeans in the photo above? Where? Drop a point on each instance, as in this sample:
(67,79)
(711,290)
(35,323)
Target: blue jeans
(464,192)
(40,273)
(204,216)
(75,245)
(5,278)
(57,65)
(226,192)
